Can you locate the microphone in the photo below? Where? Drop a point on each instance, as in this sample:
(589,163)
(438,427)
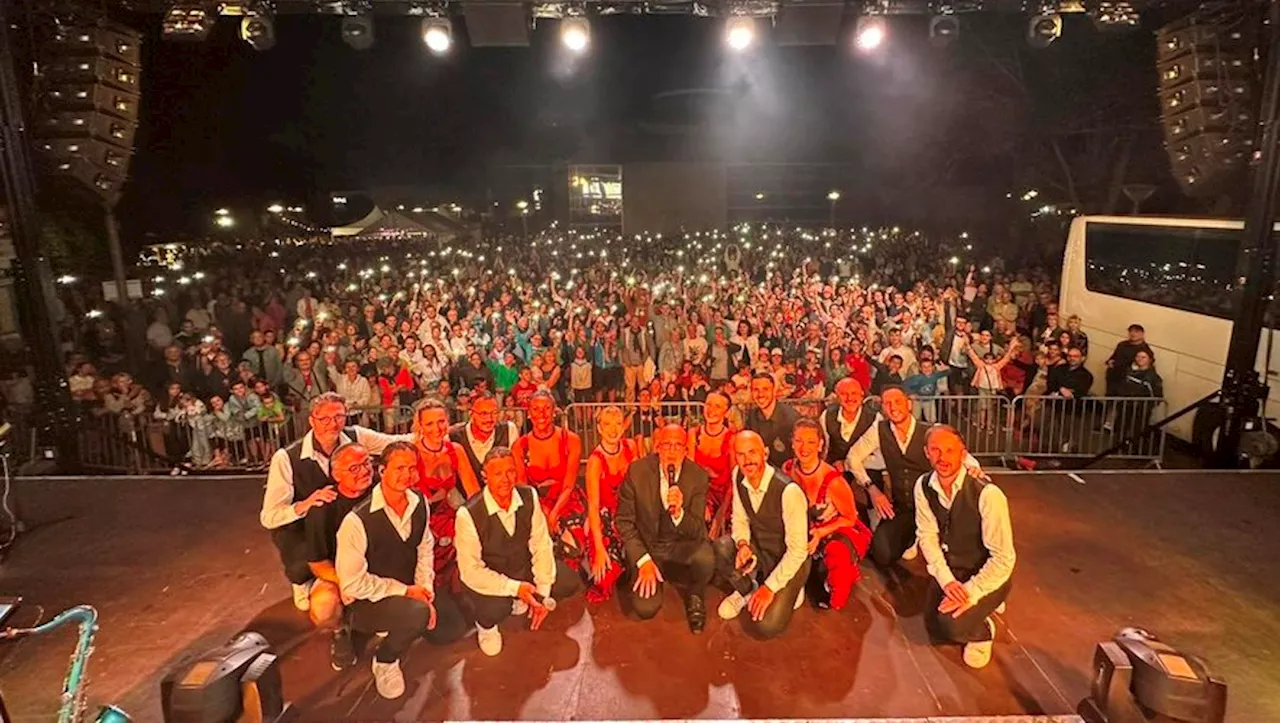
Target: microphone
(671,482)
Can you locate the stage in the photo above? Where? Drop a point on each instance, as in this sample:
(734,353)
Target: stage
(178,565)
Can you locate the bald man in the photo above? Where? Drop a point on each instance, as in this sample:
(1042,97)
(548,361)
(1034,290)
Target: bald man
(962,523)
(766,555)
(662,506)
(846,422)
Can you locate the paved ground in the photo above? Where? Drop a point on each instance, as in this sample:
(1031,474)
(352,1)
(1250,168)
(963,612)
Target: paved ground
(179,565)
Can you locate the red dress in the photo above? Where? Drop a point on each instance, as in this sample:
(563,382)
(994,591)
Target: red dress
(609,484)
(549,482)
(437,476)
(835,570)
(719,468)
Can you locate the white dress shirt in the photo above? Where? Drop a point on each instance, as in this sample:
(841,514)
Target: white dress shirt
(277,500)
(352,563)
(846,425)
(869,444)
(795,518)
(664,486)
(471,568)
(482,449)
(997,536)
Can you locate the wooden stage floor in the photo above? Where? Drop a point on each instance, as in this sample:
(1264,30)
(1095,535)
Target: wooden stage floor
(176,566)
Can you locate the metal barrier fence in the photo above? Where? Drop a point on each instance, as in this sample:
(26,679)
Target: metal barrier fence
(992,426)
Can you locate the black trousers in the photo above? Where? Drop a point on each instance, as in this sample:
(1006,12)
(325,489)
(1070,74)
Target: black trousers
(971,626)
(893,537)
(778,616)
(404,620)
(491,610)
(687,564)
(291,541)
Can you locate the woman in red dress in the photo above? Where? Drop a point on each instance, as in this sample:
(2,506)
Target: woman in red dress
(606,468)
(443,475)
(711,447)
(837,538)
(547,458)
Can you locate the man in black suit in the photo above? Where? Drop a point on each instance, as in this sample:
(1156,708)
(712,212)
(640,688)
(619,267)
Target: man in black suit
(661,516)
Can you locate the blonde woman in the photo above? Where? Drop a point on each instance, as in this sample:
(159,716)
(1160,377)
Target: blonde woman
(606,469)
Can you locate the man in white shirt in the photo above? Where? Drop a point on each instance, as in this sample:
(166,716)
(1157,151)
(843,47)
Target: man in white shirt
(300,479)
(505,557)
(897,348)
(385,568)
(766,556)
(962,523)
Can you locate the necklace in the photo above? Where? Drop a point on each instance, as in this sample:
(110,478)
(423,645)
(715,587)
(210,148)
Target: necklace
(707,429)
(610,452)
(540,438)
(437,450)
(808,472)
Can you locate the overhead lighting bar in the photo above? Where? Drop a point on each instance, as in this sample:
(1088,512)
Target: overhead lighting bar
(189,20)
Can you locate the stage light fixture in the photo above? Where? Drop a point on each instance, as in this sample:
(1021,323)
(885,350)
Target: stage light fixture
(1136,677)
(943,30)
(575,33)
(188,20)
(1044,29)
(740,32)
(357,31)
(870,33)
(259,31)
(437,33)
(1113,15)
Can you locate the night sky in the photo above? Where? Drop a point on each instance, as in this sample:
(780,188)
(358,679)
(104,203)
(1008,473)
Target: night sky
(224,124)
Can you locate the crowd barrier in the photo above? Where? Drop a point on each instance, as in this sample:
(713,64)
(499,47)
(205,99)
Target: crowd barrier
(992,426)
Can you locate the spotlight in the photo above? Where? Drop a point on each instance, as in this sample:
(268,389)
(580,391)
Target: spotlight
(1044,29)
(357,31)
(943,29)
(575,33)
(1137,678)
(740,32)
(258,31)
(870,33)
(188,21)
(437,33)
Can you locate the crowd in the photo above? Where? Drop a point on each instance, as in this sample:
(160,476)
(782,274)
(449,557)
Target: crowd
(236,337)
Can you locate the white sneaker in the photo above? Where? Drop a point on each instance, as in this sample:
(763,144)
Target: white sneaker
(302,597)
(977,655)
(731,606)
(490,640)
(911,552)
(799,600)
(1000,610)
(388,679)
(519,607)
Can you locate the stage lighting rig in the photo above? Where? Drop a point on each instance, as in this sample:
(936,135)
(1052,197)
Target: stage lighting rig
(740,32)
(1138,678)
(1043,29)
(943,30)
(869,33)
(188,20)
(437,33)
(257,27)
(1113,15)
(357,31)
(575,33)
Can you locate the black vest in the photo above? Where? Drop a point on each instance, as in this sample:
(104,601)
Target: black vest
(307,474)
(960,528)
(505,553)
(387,555)
(768,527)
(501,438)
(903,467)
(837,446)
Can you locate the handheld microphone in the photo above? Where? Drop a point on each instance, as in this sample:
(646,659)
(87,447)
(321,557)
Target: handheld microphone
(671,482)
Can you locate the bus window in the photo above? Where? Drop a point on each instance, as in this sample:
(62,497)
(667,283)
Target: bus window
(1182,268)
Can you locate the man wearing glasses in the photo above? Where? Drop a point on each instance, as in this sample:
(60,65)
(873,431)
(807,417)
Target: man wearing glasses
(300,479)
(352,470)
(480,435)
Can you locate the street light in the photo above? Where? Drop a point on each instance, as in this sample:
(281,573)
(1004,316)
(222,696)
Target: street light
(275,208)
(833,196)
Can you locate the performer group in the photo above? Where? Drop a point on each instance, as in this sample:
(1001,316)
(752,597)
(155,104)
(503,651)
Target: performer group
(399,537)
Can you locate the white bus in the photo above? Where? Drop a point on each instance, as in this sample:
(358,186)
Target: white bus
(1172,276)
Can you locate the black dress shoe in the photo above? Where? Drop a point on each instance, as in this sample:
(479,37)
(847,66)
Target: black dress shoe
(342,650)
(695,609)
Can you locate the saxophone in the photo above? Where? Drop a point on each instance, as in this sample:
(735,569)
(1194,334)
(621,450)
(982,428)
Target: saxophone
(75,685)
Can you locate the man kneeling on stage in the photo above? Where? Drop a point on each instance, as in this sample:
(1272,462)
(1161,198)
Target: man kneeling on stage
(965,536)
(352,470)
(504,553)
(766,558)
(385,568)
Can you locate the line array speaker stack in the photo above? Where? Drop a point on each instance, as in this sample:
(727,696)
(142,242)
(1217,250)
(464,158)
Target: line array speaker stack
(1208,98)
(88,110)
